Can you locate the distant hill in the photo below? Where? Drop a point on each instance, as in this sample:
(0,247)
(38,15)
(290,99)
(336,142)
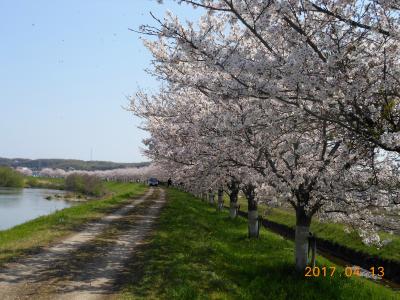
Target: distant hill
(67,164)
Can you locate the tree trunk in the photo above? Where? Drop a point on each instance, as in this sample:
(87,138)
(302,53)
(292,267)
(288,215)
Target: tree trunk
(301,239)
(220,199)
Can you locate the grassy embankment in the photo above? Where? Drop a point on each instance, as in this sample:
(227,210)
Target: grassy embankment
(331,232)
(32,235)
(198,253)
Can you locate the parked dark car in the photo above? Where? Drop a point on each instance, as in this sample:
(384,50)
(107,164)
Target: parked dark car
(153,182)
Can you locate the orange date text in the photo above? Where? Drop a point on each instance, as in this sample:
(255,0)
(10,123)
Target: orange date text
(349,271)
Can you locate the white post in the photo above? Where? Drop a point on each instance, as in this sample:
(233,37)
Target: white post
(253,223)
(233,208)
(301,244)
(220,199)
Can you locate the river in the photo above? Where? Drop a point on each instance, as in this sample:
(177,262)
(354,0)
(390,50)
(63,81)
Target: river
(20,205)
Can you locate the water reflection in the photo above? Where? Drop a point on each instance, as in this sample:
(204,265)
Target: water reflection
(20,205)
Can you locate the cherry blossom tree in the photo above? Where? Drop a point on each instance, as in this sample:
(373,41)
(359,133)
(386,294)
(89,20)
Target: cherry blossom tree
(24,171)
(298,93)
(300,160)
(122,174)
(337,60)
(53,173)
(200,150)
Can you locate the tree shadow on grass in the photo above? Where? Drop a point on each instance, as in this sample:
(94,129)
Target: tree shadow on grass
(200,254)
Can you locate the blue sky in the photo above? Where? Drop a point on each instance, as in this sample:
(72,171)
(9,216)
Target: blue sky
(66,68)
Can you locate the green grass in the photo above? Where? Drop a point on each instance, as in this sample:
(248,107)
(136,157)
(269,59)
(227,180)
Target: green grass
(332,232)
(198,253)
(31,236)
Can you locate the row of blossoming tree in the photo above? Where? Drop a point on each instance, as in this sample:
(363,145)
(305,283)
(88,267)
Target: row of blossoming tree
(294,102)
(123,174)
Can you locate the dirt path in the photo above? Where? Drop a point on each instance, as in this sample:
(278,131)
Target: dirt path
(85,265)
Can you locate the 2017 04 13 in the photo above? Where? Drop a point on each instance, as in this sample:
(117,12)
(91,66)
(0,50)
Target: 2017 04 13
(349,271)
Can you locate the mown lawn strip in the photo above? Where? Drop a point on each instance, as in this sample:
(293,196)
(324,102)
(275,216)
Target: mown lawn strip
(198,253)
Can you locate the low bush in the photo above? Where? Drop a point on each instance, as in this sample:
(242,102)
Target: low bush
(10,178)
(85,184)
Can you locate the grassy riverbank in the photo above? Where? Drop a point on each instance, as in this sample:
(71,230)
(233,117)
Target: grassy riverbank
(79,186)
(32,235)
(44,183)
(198,253)
(332,232)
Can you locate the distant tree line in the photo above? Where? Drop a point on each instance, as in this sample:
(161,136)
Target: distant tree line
(67,164)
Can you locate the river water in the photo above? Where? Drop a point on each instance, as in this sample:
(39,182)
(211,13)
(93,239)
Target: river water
(20,205)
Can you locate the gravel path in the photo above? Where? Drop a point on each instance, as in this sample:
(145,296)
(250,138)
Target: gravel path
(85,265)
